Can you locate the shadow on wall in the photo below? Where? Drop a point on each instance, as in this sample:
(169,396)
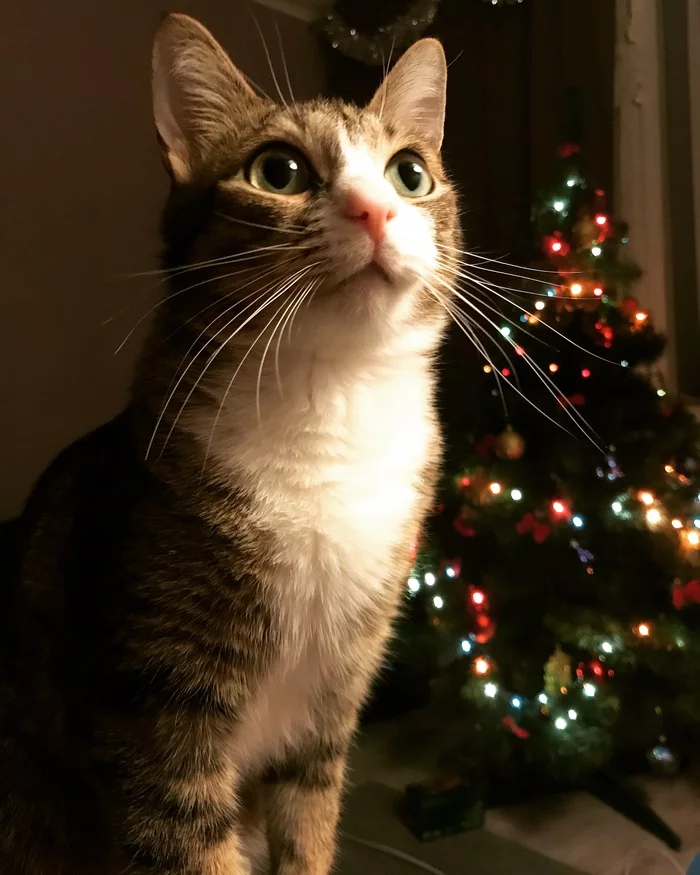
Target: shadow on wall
(82,190)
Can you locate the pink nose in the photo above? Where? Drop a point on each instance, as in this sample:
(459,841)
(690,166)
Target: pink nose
(369,209)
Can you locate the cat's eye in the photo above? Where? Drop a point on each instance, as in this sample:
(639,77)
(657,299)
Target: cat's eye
(280,170)
(409,175)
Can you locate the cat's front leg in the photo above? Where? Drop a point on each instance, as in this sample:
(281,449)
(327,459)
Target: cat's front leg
(302,796)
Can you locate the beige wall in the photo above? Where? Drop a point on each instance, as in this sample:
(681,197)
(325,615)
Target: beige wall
(81,186)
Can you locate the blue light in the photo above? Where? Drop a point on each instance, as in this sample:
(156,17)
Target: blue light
(516,702)
(551,293)
(450,572)
(577,521)
(466,646)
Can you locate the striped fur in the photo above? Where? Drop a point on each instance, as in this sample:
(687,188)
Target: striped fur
(209,581)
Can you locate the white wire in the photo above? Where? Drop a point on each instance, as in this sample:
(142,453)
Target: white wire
(392,852)
(634,856)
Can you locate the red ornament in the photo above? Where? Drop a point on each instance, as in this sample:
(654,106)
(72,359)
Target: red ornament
(686,594)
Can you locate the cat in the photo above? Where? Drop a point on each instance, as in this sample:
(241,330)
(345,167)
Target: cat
(208,582)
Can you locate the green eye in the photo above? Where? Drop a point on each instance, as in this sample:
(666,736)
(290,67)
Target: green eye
(409,175)
(280,170)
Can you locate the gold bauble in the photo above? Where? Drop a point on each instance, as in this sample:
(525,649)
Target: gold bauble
(509,444)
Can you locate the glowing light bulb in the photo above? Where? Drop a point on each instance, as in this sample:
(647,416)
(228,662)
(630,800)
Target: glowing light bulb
(487,369)
(556,246)
(624,363)
(653,516)
(560,723)
(516,494)
(643,630)
(577,521)
(668,469)
(558,506)
(519,350)
(570,182)
(573,715)
(551,293)
(596,251)
(585,373)
(589,690)
(601,220)
(506,372)
(516,702)
(543,698)
(540,305)
(661,392)
(606,647)
(466,645)
(576,289)
(481,666)
(641,317)
(693,539)
(646,497)
(478,598)
(598,292)
(553,368)
(558,206)
(677,524)
(696,523)
(439,602)
(616,506)
(450,572)
(505,331)
(490,690)
(495,488)
(413,584)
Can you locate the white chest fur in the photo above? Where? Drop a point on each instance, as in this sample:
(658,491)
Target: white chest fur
(334,476)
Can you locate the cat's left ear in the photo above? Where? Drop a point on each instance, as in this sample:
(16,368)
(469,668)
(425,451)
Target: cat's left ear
(413,94)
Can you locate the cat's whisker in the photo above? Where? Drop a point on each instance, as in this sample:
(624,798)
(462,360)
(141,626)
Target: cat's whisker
(464,269)
(285,67)
(290,320)
(385,72)
(289,284)
(266,303)
(268,56)
(292,230)
(484,259)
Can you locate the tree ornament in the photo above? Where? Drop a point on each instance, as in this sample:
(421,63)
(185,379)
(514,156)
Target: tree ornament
(509,444)
(376,48)
(557,672)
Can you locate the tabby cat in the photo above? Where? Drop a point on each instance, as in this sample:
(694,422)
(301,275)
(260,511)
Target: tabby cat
(208,582)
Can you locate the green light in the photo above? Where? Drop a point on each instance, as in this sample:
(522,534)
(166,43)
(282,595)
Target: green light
(617,506)
(505,331)
(558,206)
(570,182)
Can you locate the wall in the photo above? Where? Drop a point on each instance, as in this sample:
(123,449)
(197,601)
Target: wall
(82,185)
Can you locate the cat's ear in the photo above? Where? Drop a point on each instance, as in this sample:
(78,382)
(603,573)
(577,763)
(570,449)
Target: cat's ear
(413,94)
(197,93)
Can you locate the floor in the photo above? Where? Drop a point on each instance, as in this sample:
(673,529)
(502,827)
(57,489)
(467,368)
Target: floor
(574,831)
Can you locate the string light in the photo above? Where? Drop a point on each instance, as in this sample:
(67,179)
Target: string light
(413,584)
(506,372)
(624,363)
(450,572)
(573,715)
(693,538)
(558,507)
(677,524)
(551,293)
(490,690)
(540,305)
(585,373)
(653,516)
(516,702)
(439,602)
(601,219)
(516,495)
(661,392)
(556,246)
(482,665)
(668,469)
(553,368)
(643,630)
(641,317)
(596,251)
(598,292)
(606,647)
(543,698)
(576,289)
(558,206)
(560,723)
(519,350)
(616,506)
(577,521)
(487,369)
(466,645)
(505,331)
(646,497)
(495,488)
(570,182)
(696,523)
(589,690)
(478,597)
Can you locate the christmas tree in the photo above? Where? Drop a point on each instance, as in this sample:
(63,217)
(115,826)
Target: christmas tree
(560,577)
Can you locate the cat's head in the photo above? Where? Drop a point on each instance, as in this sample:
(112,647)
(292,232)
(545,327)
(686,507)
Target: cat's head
(342,215)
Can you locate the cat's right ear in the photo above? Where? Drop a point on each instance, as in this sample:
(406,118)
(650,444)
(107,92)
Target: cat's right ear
(197,93)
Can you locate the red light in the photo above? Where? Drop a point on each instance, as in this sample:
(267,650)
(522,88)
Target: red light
(464,482)
(597,669)
(519,350)
(585,373)
(601,219)
(558,507)
(478,597)
(506,372)
(598,292)
(556,246)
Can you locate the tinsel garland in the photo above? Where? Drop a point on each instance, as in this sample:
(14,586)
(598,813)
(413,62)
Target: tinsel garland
(375,48)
